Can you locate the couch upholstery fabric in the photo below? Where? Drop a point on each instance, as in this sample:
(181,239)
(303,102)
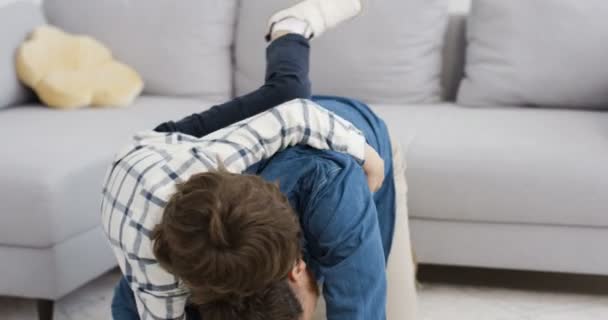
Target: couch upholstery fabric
(181,48)
(56,162)
(389,54)
(504,165)
(547,248)
(51,273)
(17,20)
(548,53)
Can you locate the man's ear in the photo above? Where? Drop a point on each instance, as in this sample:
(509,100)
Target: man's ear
(298,272)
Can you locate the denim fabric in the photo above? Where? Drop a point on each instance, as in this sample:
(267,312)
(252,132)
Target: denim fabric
(376,134)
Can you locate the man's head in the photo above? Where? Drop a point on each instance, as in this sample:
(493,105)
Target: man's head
(233,237)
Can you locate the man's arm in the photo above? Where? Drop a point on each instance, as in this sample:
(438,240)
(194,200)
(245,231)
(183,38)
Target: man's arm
(160,304)
(147,291)
(344,245)
(129,213)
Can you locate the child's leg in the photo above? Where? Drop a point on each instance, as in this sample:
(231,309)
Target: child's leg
(287,65)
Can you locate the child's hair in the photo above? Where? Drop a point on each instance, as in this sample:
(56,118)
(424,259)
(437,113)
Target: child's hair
(228,235)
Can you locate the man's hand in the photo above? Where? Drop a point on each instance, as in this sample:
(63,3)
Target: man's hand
(374,168)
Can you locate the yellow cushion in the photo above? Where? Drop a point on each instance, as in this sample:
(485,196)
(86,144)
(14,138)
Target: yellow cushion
(68,71)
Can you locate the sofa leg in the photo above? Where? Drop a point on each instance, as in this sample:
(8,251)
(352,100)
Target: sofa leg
(45,309)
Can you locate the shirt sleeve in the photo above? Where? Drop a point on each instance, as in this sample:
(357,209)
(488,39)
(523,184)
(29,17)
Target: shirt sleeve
(296,122)
(129,213)
(157,293)
(161,305)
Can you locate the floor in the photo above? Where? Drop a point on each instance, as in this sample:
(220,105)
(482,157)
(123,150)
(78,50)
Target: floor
(446,293)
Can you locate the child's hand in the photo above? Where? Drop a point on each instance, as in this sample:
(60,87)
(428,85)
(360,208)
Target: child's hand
(374,168)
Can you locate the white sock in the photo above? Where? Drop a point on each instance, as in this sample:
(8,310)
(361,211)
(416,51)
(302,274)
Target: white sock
(292,25)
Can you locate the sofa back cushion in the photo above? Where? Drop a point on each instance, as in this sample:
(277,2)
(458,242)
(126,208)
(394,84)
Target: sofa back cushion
(17,20)
(548,53)
(389,54)
(181,48)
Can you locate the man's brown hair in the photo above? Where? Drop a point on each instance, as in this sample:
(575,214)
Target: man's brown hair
(227,235)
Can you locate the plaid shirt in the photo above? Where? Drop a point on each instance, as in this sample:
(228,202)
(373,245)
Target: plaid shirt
(143,176)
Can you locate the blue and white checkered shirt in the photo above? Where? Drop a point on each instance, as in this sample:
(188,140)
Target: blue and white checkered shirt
(144,174)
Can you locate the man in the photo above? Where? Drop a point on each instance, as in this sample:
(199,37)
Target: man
(231,244)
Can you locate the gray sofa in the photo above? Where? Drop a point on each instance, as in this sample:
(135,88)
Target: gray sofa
(497,187)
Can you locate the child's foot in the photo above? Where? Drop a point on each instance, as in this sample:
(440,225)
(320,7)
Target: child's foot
(289,25)
(318,15)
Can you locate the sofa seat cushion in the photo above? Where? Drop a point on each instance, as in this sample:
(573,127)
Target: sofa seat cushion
(504,165)
(54,162)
